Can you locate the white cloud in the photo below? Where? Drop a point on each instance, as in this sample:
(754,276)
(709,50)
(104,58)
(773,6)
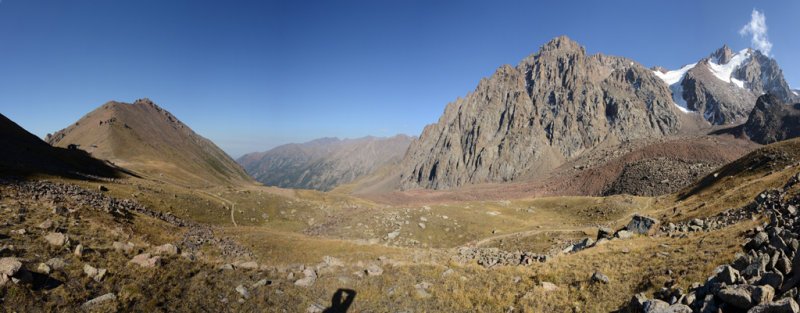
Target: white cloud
(758,29)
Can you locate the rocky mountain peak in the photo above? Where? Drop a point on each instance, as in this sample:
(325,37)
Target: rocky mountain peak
(722,55)
(526,120)
(562,43)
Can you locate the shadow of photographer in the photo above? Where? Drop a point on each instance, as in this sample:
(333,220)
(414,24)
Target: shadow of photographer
(339,304)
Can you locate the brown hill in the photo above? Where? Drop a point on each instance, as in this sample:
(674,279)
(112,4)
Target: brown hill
(26,154)
(147,139)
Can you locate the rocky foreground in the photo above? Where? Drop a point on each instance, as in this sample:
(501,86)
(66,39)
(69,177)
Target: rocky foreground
(763,278)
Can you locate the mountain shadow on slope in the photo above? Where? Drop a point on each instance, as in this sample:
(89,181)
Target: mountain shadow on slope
(24,154)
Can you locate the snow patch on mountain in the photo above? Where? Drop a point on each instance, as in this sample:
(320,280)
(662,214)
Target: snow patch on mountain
(673,80)
(725,71)
(674,77)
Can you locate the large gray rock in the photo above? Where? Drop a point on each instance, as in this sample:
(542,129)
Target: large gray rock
(728,275)
(739,297)
(654,305)
(643,225)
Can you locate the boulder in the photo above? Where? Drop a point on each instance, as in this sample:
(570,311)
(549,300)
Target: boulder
(653,305)
(251,265)
(146,260)
(598,277)
(56,239)
(637,303)
(374,270)
(675,308)
(773,279)
(623,234)
(643,225)
(738,297)
(762,294)
(43,268)
(728,275)
(305,282)
(548,286)
(123,247)
(166,249)
(10,266)
(785,305)
(243,291)
(56,263)
(98,301)
(606,233)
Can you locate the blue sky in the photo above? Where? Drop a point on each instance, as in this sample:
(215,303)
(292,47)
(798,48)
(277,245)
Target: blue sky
(251,75)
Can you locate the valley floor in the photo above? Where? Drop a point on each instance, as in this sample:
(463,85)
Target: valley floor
(162,247)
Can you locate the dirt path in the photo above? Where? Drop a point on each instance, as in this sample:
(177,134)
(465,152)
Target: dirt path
(230,204)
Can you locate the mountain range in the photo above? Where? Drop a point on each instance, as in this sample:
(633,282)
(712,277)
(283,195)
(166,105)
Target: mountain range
(560,103)
(325,163)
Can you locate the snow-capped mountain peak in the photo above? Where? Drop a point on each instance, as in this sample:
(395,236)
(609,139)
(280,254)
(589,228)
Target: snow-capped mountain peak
(724,85)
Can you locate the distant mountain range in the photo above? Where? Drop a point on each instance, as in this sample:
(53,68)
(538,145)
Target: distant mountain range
(561,103)
(325,163)
(146,139)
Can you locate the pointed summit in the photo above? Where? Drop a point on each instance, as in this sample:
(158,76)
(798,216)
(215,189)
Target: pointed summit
(562,43)
(722,55)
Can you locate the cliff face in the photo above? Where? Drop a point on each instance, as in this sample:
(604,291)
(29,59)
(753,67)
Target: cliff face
(528,119)
(772,120)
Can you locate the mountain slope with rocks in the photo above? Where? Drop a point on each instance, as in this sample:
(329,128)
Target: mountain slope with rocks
(326,163)
(145,138)
(772,120)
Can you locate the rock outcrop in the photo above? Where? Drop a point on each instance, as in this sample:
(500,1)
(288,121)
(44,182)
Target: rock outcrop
(763,278)
(528,119)
(772,120)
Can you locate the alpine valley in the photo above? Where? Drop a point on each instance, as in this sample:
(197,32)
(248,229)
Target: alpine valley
(569,182)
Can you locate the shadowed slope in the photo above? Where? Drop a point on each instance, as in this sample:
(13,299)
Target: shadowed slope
(26,154)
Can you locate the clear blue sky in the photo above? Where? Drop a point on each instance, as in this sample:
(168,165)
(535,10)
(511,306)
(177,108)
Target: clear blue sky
(251,75)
